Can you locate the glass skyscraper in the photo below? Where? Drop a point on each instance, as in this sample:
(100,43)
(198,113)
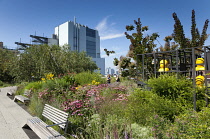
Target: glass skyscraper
(81,38)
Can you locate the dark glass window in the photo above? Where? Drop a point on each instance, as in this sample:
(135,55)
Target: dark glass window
(90,32)
(91,48)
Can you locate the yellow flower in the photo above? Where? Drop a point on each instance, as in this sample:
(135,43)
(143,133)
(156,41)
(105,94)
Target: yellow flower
(78,87)
(43,79)
(95,83)
(50,76)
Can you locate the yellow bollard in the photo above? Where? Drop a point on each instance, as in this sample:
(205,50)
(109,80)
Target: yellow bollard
(163,66)
(199,80)
(199,61)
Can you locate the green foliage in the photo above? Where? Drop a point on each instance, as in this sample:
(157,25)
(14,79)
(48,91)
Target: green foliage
(159,126)
(191,124)
(34,86)
(140,44)
(69,78)
(122,110)
(178,34)
(141,103)
(171,87)
(112,107)
(197,39)
(168,44)
(87,77)
(21,88)
(140,132)
(49,59)
(124,62)
(116,62)
(1,83)
(36,105)
(125,73)
(115,127)
(108,52)
(6,58)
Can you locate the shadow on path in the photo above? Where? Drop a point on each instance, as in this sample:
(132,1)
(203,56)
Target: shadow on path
(30,133)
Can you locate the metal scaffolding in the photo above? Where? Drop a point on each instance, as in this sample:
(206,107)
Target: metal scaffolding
(182,61)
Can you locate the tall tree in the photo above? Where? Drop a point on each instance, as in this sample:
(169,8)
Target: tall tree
(196,40)
(140,43)
(6,58)
(178,33)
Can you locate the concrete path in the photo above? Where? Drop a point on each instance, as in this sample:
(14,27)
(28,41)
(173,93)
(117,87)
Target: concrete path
(12,117)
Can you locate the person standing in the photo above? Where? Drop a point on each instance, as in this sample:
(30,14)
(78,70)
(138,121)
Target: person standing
(108,79)
(117,78)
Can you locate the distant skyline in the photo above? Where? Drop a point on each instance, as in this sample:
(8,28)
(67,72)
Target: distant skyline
(22,18)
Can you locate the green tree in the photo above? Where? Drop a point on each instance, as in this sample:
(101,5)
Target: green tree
(109,52)
(197,39)
(168,44)
(6,58)
(38,60)
(141,43)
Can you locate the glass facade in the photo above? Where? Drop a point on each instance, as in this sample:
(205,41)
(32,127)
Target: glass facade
(91,48)
(90,32)
(91,43)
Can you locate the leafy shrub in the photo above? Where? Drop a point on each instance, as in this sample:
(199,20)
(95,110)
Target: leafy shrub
(21,88)
(69,78)
(114,127)
(1,83)
(141,103)
(191,124)
(87,78)
(49,84)
(139,132)
(36,105)
(180,90)
(34,85)
(170,86)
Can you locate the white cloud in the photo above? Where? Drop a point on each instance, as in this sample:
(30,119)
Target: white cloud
(107,31)
(112,36)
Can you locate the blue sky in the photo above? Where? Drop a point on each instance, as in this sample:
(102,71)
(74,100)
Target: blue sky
(21,18)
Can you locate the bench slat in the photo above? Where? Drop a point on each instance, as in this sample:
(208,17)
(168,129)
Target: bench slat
(21,98)
(56,121)
(52,111)
(60,111)
(53,114)
(39,127)
(11,92)
(50,116)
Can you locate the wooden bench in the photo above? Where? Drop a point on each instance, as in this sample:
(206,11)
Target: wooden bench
(11,92)
(22,98)
(43,130)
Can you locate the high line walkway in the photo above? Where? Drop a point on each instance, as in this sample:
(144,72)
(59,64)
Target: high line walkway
(12,117)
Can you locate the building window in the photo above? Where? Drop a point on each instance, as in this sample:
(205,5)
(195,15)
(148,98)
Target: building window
(90,32)
(91,48)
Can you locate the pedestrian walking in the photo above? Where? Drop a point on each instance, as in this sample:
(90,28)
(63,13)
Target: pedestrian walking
(117,78)
(108,79)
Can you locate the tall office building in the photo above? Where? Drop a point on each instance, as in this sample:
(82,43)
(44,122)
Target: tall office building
(81,38)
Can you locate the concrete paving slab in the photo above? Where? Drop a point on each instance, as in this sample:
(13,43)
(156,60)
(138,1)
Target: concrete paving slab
(12,117)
